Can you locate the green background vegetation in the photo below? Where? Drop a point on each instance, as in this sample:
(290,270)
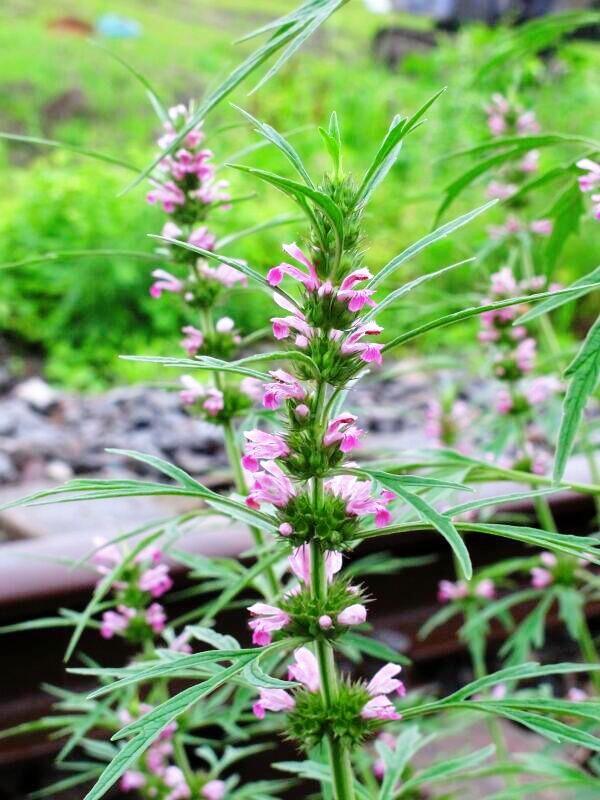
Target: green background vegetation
(79,314)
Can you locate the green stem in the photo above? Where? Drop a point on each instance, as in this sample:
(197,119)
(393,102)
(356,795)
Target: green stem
(339,755)
(589,650)
(182,760)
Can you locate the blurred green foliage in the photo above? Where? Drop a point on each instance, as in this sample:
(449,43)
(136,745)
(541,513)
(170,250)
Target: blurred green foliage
(81,313)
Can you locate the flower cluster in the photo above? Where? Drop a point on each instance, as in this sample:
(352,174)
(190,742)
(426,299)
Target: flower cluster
(326,324)
(302,614)
(590,181)
(506,118)
(140,582)
(448,591)
(156,776)
(357,710)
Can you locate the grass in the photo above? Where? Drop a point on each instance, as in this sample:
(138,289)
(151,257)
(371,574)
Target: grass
(81,314)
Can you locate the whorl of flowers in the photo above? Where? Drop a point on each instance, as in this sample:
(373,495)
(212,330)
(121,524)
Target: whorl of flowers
(589,182)
(136,615)
(506,118)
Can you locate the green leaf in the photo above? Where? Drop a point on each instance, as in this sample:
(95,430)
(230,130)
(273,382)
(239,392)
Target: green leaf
(497,500)
(59,255)
(393,481)
(82,151)
(408,287)
(280,143)
(205,364)
(286,29)
(467,313)
(523,143)
(235,263)
(388,151)
(422,244)
(584,372)
(219,641)
(444,769)
(396,760)
(301,194)
(176,473)
(155,101)
(254,675)
(275,222)
(149,727)
(566,213)
(587,283)
(373,648)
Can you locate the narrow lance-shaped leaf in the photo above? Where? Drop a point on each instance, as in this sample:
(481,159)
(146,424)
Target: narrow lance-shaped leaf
(584,373)
(286,29)
(467,313)
(587,283)
(280,143)
(430,238)
(83,151)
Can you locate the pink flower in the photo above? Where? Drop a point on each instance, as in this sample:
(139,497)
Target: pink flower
(192,390)
(499,691)
(527,123)
(380,708)
(165,282)
(224,274)
(548,559)
(272,700)
(300,563)
(168,194)
(591,179)
(214,790)
(540,578)
(448,591)
(171,231)
(353,615)
(261,446)
(541,389)
(156,617)
(525,354)
(385,682)
(530,162)
(368,352)
(503,282)
(214,402)
(285,529)
(174,778)
(504,402)
(496,124)
(268,619)
(200,237)
(342,430)
(107,557)
(357,299)
(359,501)
(132,780)
(284,387)
(325,622)
(485,589)
(305,669)
(156,580)
(252,388)
(212,191)
(577,695)
(194,339)
(497,190)
(596,205)
(310,281)
(116,622)
(543,227)
(271,485)
(301,411)
(224,325)
(180,644)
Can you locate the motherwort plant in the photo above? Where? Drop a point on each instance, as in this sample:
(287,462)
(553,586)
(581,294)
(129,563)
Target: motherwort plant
(311,505)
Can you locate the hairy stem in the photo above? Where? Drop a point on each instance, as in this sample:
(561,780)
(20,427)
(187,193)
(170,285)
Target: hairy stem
(589,651)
